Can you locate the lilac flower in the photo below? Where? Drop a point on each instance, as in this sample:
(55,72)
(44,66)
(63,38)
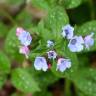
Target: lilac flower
(76,44)
(52,54)
(19,30)
(25,38)
(50,43)
(67,31)
(24,50)
(63,64)
(89,41)
(40,63)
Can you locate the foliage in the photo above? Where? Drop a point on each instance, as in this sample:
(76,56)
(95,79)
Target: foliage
(58,13)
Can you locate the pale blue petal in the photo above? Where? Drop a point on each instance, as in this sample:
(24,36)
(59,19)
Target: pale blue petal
(37,64)
(25,38)
(91,42)
(68,63)
(44,66)
(72,47)
(70,29)
(79,47)
(69,36)
(50,43)
(80,39)
(61,67)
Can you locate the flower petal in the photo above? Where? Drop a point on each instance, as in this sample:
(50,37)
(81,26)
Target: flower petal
(38,63)
(67,31)
(79,47)
(80,40)
(72,48)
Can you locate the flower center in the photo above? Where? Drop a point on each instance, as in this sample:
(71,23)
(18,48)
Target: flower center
(73,41)
(51,54)
(66,31)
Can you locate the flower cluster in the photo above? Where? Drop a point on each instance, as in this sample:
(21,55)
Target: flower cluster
(77,43)
(25,40)
(40,63)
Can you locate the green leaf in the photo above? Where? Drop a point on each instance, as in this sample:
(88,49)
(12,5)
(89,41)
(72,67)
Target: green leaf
(3,30)
(85,80)
(14,2)
(24,19)
(68,4)
(19,94)
(12,45)
(81,93)
(47,78)
(40,4)
(43,4)
(41,30)
(2,80)
(23,81)
(87,29)
(43,92)
(55,20)
(4,64)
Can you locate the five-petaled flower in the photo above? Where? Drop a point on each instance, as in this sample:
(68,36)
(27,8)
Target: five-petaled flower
(40,63)
(24,50)
(25,38)
(63,64)
(50,43)
(52,54)
(67,31)
(76,44)
(89,41)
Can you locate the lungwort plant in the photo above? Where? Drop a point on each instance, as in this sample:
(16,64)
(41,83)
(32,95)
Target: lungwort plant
(58,42)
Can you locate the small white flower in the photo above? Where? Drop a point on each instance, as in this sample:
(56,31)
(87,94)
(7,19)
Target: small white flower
(63,64)
(50,43)
(24,50)
(40,63)
(89,41)
(76,44)
(52,54)
(25,38)
(67,31)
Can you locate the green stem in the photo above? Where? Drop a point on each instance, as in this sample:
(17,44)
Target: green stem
(67,87)
(92,10)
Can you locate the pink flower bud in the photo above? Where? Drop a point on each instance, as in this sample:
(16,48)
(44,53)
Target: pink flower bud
(19,30)
(24,50)
(49,66)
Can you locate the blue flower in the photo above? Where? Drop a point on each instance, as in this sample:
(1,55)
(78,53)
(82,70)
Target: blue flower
(52,54)
(50,43)
(40,63)
(25,38)
(63,64)
(89,41)
(76,44)
(67,31)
